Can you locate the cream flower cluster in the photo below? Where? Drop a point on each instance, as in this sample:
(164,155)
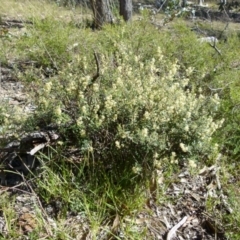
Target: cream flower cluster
(144,99)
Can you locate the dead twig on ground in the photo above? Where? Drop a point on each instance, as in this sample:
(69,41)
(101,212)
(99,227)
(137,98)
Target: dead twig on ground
(172,232)
(215,47)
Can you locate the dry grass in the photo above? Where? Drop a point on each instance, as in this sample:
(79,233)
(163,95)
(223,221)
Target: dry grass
(28,9)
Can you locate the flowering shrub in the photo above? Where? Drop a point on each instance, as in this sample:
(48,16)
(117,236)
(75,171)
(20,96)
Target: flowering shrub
(136,110)
(10,119)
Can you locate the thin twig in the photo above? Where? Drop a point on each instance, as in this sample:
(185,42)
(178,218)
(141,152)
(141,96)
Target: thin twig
(95,77)
(160,8)
(224,9)
(219,89)
(172,232)
(225,28)
(37,148)
(215,47)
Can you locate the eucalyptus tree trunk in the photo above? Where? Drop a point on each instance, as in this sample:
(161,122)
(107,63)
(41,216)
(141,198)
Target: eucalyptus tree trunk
(126,9)
(102,12)
(184,3)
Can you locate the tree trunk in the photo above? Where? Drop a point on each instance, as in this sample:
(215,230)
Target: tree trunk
(102,12)
(126,9)
(184,3)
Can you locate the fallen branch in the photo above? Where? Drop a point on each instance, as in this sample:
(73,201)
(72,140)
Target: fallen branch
(215,47)
(14,23)
(37,148)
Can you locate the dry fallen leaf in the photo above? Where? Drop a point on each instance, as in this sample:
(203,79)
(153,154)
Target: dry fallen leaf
(27,222)
(116,224)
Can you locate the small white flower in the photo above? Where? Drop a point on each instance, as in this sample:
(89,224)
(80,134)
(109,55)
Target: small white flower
(90,149)
(183,147)
(83,133)
(159,50)
(79,121)
(174,154)
(58,111)
(157,164)
(117,143)
(137,169)
(156,155)
(119,68)
(189,71)
(188,114)
(84,109)
(192,164)
(186,128)
(136,58)
(146,115)
(216,96)
(145,132)
(48,87)
(95,87)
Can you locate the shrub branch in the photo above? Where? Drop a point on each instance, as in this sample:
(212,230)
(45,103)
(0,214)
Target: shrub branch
(96,76)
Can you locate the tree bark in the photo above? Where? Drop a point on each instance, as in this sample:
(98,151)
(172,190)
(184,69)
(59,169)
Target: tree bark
(102,12)
(184,3)
(126,9)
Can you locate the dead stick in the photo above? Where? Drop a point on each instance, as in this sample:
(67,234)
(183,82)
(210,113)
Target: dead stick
(172,232)
(95,77)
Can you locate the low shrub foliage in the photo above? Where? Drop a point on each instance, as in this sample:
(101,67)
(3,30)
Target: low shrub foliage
(127,107)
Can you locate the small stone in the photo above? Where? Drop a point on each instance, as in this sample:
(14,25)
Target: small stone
(25,209)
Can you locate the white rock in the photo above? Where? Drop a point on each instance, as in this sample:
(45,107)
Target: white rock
(208,39)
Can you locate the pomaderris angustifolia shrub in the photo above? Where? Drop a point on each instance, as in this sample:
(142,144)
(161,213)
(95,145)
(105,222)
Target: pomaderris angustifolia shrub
(138,109)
